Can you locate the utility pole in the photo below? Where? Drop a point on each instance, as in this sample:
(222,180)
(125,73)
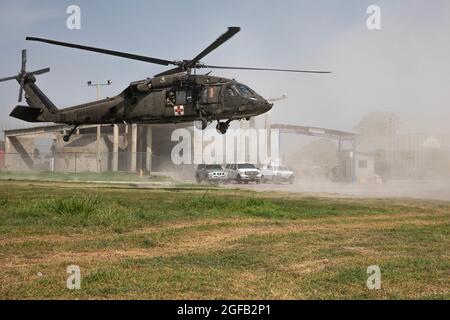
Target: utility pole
(99,126)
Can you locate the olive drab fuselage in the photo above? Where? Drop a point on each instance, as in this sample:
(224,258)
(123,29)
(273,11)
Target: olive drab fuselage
(173,98)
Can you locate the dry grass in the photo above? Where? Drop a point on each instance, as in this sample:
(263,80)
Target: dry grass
(134,244)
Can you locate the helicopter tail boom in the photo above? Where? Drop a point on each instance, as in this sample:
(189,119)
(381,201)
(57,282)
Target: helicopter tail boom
(39,109)
(36,98)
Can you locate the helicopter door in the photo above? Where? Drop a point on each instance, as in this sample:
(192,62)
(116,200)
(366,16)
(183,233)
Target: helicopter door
(231,98)
(185,97)
(211,95)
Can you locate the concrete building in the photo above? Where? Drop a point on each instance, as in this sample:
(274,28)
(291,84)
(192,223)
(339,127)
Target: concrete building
(112,148)
(399,155)
(421,156)
(362,164)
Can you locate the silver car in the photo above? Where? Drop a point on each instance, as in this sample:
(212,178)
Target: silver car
(277,174)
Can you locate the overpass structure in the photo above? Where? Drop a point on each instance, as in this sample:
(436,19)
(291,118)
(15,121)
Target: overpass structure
(340,136)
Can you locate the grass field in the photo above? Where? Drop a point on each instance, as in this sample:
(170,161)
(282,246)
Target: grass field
(81,176)
(212,244)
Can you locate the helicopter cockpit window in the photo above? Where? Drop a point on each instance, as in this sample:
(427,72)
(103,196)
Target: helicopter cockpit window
(244,90)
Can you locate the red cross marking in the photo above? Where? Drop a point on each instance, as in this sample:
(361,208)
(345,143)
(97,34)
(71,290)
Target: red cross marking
(178,110)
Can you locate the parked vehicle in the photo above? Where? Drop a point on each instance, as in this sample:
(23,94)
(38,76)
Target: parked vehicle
(213,173)
(243,172)
(277,174)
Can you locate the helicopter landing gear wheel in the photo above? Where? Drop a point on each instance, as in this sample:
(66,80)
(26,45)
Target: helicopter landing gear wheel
(66,137)
(222,127)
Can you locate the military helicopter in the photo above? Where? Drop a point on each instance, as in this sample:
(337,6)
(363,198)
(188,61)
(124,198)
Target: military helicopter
(173,96)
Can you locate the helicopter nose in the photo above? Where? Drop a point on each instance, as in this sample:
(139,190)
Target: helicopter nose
(267,105)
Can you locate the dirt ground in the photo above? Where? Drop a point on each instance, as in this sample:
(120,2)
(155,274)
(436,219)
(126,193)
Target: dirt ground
(431,190)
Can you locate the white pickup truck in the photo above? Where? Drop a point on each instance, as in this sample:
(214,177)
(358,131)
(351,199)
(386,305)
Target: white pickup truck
(277,174)
(243,172)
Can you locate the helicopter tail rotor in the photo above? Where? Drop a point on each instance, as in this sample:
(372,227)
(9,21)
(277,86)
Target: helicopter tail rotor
(23,74)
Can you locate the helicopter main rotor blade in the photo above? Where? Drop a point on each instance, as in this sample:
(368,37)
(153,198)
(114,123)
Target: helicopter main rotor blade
(40,71)
(24,61)
(22,82)
(9,78)
(222,39)
(104,51)
(262,69)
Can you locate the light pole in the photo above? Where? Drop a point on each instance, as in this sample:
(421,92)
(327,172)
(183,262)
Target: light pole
(98,86)
(99,126)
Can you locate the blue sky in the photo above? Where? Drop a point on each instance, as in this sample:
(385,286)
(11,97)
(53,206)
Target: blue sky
(402,68)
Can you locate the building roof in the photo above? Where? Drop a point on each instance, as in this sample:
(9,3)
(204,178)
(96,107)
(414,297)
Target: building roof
(314,131)
(35,130)
(58,127)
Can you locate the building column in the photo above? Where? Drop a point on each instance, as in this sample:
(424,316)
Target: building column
(99,154)
(149,148)
(268,127)
(133,148)
(243,150)
(7,144)
(7,156)
(115,155)
(354,177)
(252,148)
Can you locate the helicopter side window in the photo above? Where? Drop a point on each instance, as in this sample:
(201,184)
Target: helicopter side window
(212,93)
(189,97)
(230,92)
(170,99)
(204,96)
(181,96)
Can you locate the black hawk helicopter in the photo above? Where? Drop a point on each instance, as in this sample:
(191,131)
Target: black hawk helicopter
(175,95)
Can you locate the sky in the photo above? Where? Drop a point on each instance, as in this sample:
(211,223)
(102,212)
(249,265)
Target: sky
(403,68)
